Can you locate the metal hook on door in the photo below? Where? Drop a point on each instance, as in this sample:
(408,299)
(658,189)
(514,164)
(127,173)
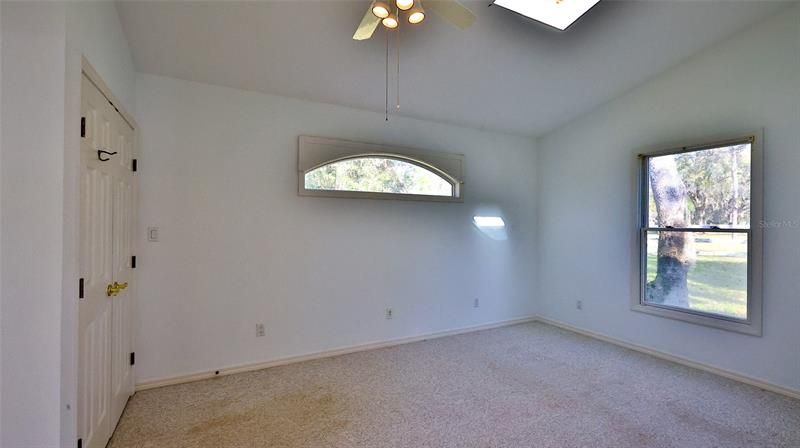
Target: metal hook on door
(101,153)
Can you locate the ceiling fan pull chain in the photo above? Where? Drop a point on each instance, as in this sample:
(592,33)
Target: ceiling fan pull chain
(397,106)
(387,74)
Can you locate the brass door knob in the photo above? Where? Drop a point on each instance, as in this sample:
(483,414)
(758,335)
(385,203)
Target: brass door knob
(113,289)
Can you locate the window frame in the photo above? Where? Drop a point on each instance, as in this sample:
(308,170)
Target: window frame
(753,324)
(316,152)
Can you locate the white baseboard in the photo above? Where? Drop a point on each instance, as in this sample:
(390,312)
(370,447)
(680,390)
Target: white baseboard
(204,375)
(789,392)
(197,376)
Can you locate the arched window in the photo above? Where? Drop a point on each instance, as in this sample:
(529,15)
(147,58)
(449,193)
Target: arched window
(336,168)
(379,174)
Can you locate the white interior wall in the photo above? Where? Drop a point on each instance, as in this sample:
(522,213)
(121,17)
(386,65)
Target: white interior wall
(32,181)
(1,219)
(95,30)
(42,43)
(587,219)
(239,246)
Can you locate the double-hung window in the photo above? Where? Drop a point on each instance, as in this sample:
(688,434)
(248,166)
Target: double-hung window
(700,239)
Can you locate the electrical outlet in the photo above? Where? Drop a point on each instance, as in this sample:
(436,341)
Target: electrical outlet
(579,304)
(259,330)
(152,234)
(476,303)
(389,313)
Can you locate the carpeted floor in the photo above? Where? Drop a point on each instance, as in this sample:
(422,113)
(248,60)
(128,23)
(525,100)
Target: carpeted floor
(530,385)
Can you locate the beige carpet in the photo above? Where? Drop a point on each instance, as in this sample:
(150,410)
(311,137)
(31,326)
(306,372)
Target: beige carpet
(529,385)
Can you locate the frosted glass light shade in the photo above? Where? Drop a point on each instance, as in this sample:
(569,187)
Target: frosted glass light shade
(381,10)
(405,5)
(390,22)
(416,14)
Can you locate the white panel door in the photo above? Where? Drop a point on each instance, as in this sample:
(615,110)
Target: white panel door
(122,243)
(106,238)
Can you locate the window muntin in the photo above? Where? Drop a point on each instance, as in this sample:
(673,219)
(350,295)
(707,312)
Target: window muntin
(379,174)
(697,244)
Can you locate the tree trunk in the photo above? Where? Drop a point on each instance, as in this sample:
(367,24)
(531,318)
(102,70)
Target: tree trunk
(675,249)
(735,179)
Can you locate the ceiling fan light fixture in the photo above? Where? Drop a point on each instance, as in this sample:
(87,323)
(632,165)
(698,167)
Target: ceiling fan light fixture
(404,5)
(381,9)
(391,22)
(416,14)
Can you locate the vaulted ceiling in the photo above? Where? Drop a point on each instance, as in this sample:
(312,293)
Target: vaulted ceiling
(505,73)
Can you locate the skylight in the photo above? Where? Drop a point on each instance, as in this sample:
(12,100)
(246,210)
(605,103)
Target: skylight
(559,14)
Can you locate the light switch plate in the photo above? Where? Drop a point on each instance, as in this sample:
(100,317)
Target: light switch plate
(152,234)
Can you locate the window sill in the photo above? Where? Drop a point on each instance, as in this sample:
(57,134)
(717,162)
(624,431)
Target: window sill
(752,328)
(371,195)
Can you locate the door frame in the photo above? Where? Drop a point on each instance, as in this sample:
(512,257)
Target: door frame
(71,260)
(92,74)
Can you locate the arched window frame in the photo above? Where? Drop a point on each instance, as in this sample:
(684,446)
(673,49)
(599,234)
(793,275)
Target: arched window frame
(317,152)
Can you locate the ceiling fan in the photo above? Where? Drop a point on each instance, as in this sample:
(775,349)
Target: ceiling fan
(382,12)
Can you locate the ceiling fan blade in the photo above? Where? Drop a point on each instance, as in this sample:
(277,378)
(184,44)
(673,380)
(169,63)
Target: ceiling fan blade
(452,11)
(367,26)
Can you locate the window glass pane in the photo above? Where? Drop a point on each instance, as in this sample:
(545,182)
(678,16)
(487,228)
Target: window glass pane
(701,188)
(700,271)
(378,175)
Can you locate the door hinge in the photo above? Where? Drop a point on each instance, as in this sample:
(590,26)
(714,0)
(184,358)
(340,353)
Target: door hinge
(133,358)
(135,166)
(133,261)
(80,443)
(83,127)
(80,288)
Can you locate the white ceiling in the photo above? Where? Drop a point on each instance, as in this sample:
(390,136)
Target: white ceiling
(505,73)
